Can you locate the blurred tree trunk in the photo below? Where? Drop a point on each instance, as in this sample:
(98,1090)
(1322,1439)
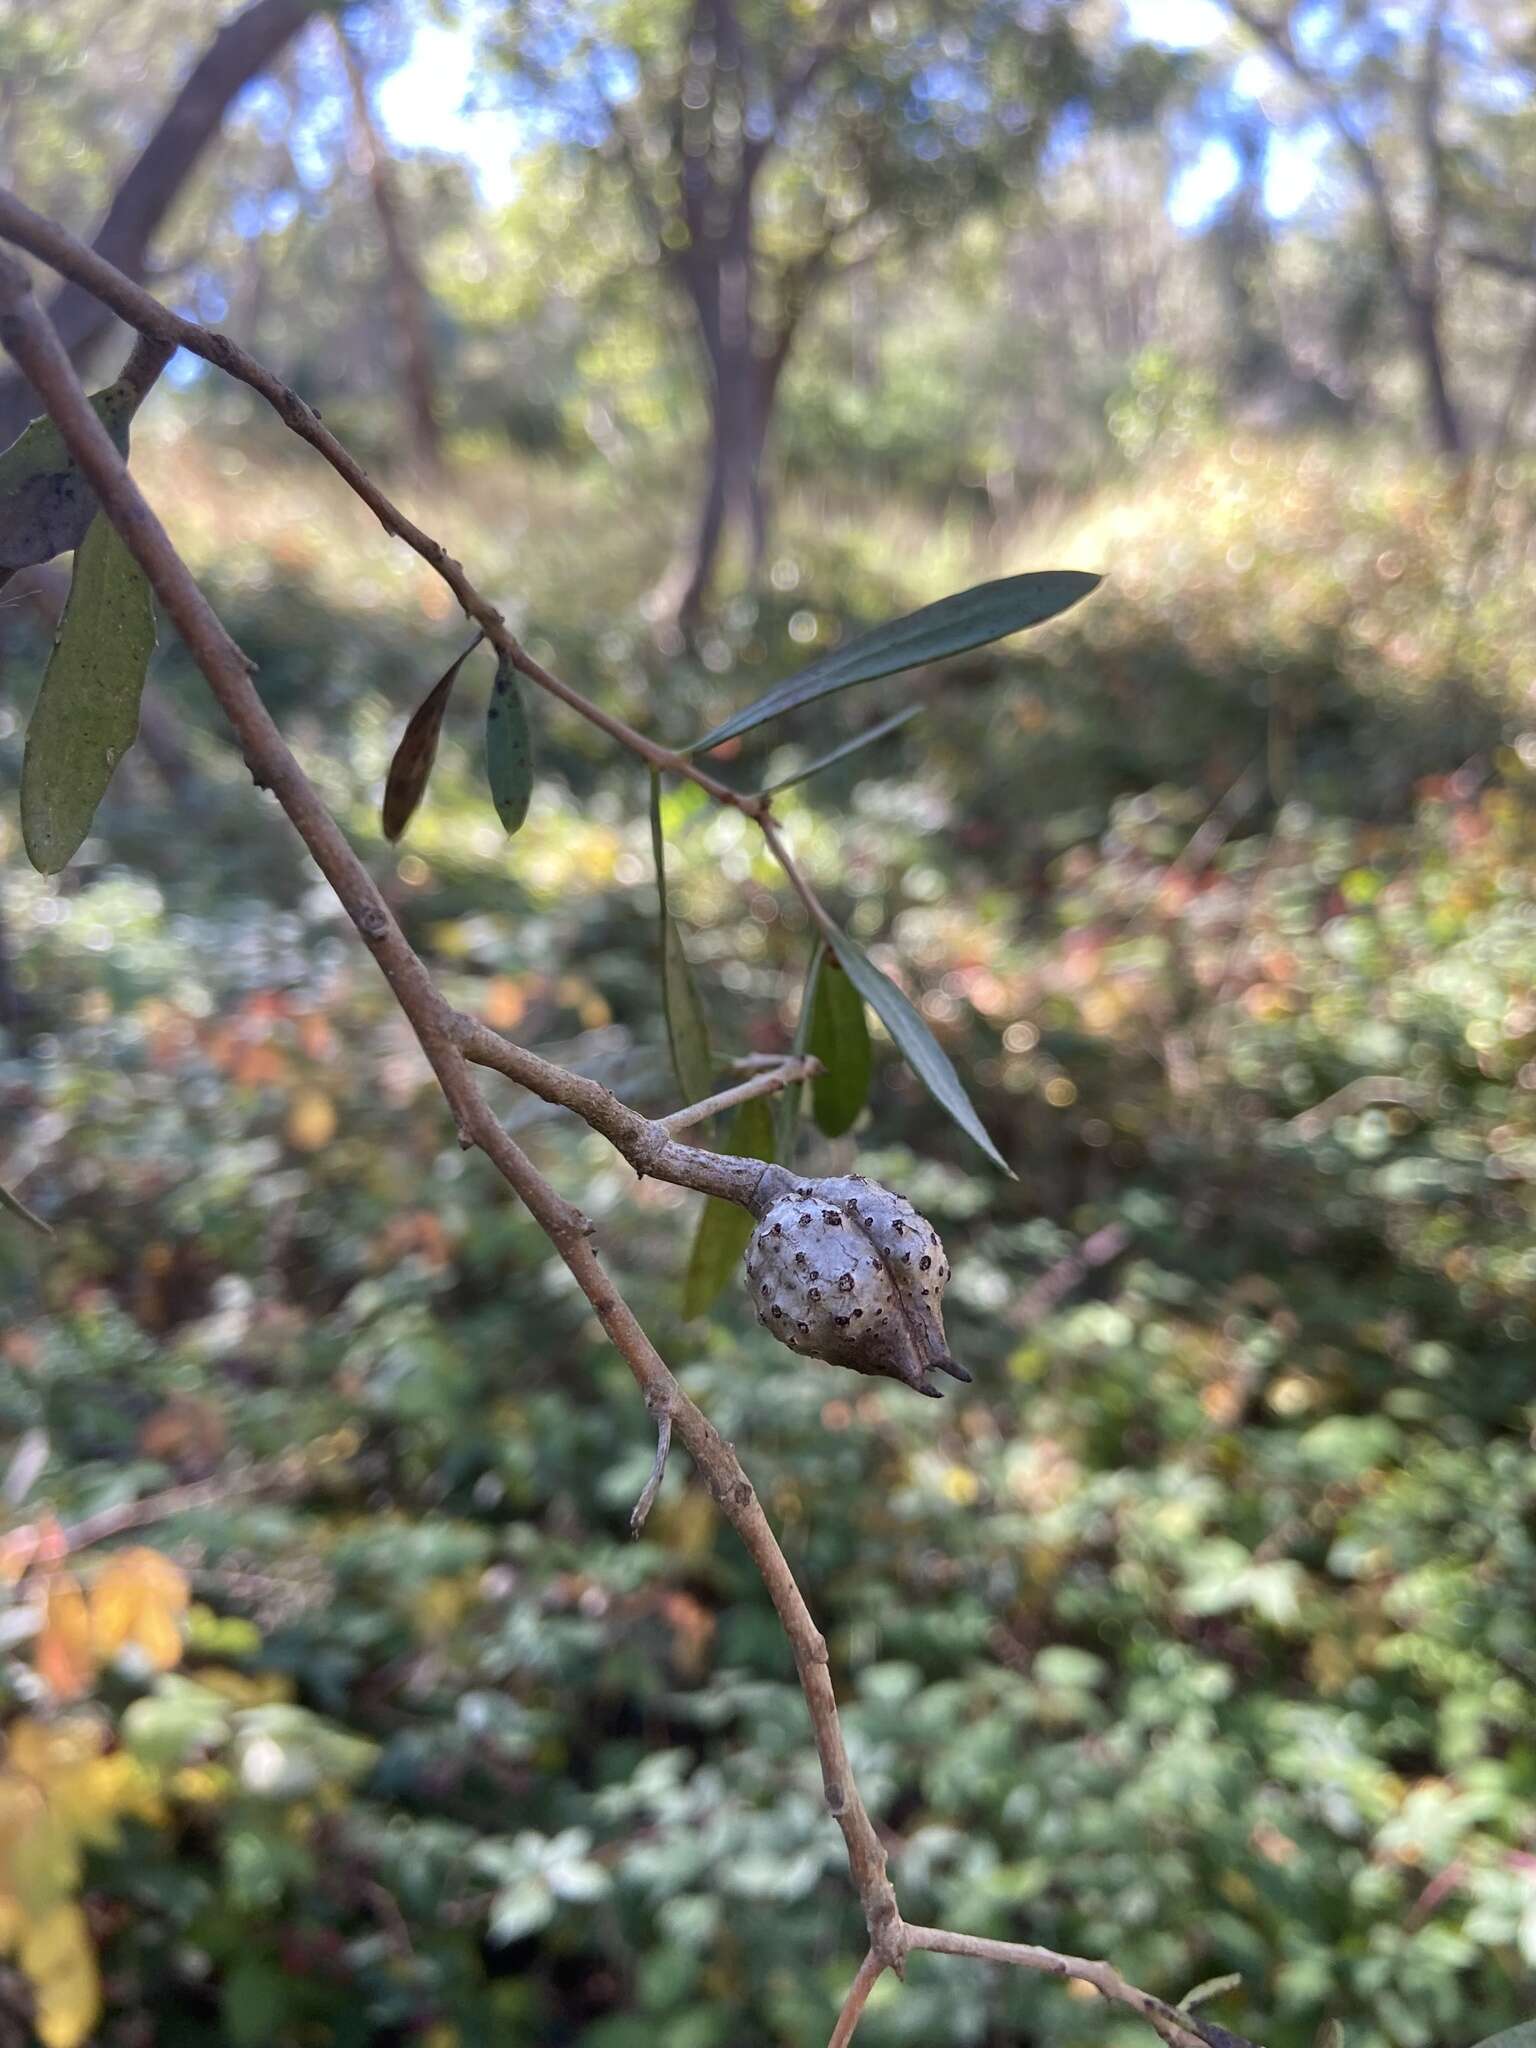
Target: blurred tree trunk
(1411,260)
(718,272)
(410,302)
(241,51)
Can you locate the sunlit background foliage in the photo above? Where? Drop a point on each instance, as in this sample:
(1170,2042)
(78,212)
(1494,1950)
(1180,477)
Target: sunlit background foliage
(1201,1630)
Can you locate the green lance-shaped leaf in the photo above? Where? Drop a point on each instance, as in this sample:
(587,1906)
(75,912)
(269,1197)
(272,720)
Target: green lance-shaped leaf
(839,1037)
(687,1027)
(1523,2036)
(916,1043)
(854,746)
(87,712)
(969,619)
(412,763)
(15,1206)
(725,1227)
(787,1114)
(46,505)
(508,748)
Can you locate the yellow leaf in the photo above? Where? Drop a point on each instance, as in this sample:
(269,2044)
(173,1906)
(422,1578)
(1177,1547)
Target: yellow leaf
(45,1750)
(64,1659)
(89,1802)
(55,1955)
(139,1599)
(26,1838)
(85,1789)
(311,1120)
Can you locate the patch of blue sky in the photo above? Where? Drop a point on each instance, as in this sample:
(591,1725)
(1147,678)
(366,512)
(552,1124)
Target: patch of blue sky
(1176,24)
(428,104)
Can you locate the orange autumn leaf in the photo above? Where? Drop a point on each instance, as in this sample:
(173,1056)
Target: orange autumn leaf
(138,1599)
(65,1660)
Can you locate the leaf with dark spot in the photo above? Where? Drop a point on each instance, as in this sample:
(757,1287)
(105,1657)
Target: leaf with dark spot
(87,712)
(46,505)
(412,763)
(508,748)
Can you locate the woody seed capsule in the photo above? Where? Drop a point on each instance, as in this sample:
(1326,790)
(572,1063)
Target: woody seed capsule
(844,1270)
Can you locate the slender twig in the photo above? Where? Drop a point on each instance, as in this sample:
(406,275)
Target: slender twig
(784,1075)
(819,914)
(1179,2030)
(151,1508)
(1211,1987)
(652,1486)
(871,1970)
(450,1042)
(148,358)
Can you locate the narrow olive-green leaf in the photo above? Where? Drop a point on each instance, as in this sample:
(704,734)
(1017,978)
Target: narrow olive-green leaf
(1523,2036)
(724,1227)
(45,503)
(687,1026)
(969,619)
(508,748)
(87,712)
(412,763)
(787,1117)
(840,1040)
(854,746)
(916,1043)
(17,1207)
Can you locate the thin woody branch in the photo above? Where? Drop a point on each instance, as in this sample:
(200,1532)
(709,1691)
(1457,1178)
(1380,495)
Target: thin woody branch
(649,1147)
(451,1042)
(1178,2029)
(786,1075)
(871,1970)
(652,1486)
